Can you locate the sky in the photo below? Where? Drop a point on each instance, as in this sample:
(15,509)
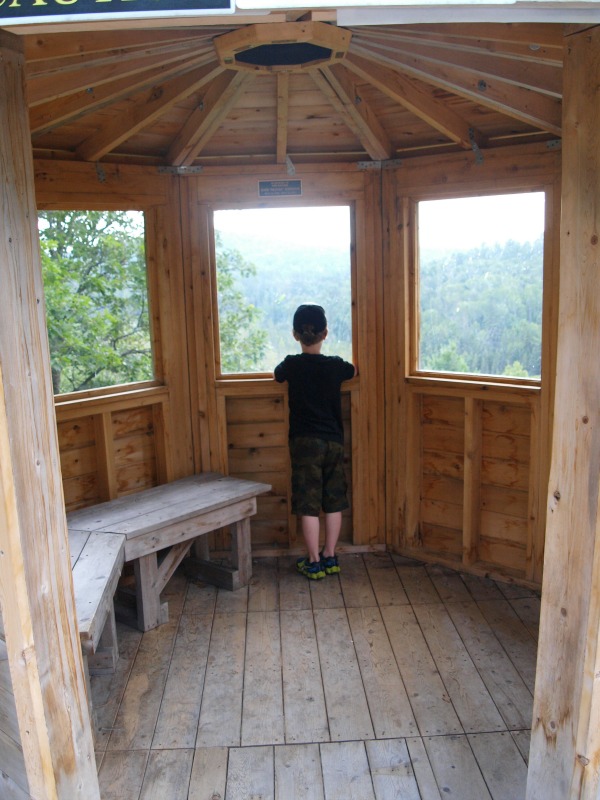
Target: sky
(460,223)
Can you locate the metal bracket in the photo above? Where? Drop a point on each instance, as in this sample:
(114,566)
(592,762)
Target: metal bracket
(179,170)
(554,144)
(100,172)
(291,169)
(475,147)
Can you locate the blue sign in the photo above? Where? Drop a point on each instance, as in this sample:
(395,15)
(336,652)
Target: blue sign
(282,188)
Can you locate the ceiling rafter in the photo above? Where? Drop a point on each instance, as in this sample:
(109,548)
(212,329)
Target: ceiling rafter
(202,124)
(48,116)
(412,96)
(41,50)
(144,110)
(47,87)
(533,108)
(539,77)
(530,51)
(341,90)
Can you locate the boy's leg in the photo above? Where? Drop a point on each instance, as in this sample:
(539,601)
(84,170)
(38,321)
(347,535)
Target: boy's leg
(310,531)
(333,526)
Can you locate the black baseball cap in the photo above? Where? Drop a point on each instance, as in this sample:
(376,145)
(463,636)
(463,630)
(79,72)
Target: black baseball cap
(310,314)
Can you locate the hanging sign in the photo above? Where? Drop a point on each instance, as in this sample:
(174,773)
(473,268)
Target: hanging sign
(281,188)
(14,12)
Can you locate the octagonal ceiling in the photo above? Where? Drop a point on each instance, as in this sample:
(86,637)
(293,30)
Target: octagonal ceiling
(167,96)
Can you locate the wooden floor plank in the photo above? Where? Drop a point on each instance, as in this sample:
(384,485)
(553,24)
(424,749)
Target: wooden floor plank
(326,593)
(286,637)
(209,773)
(513,699)
(391,770)
(455,768)
(427,694)
(304,699)
(108,689)
(345,699)
(421,765)
(354,578)
(346,773)
(177,723)
(251,773)
(122,774)
(167,775)
(513,636)
(138,712)
(528,609)
(448,583)
(221,710)
(417,584)
(262,708)
(385,580)
(523,741)
(470,697)
(298,773)
(388,702)
(501,763)
(200,598)
(294,589)
(263,591)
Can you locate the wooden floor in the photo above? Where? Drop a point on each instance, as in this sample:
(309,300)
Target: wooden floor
(393,680)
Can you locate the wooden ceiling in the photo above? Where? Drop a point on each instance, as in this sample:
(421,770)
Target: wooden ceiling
(161,96)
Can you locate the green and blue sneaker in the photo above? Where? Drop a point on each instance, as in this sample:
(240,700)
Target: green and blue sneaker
(310,569)
(330,564)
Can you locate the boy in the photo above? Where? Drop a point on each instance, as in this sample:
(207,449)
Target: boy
(316,438)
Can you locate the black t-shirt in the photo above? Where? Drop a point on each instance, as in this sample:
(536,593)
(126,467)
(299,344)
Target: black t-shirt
(314,382)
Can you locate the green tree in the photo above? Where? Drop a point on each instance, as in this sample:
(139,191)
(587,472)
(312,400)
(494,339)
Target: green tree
(243,339)
(94,271)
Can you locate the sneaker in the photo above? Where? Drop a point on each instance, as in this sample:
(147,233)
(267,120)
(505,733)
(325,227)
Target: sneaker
(310,569)
(330,564)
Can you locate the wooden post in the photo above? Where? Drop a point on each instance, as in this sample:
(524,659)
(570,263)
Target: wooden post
(565,745)
(36,593)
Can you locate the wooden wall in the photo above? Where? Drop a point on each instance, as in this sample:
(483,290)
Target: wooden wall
(447,470)
(467,460)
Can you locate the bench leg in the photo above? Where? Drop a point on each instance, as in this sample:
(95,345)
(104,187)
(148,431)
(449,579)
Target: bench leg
(241,550)
(150,611)
(104,660)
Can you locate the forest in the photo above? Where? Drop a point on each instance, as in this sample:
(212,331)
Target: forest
(480,310)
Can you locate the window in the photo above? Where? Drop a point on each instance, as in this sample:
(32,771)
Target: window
(269,260)
(480,285)
(94,272)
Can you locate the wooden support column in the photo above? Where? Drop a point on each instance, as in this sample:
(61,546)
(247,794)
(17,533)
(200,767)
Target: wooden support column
(565,745)
(36,594)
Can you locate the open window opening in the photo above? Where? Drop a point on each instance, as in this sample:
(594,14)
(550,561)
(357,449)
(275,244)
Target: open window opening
(96,293)
(268,261)
(479,286)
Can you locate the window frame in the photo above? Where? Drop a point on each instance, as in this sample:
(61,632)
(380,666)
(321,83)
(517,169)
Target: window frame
(153,303)
(416,376)
(314,201)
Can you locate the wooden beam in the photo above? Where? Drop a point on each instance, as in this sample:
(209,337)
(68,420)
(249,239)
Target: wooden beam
(220,97)
(343,93)
(565,742)
(409,94)
(539,77)
(60,83)
(533,108)
(148,108)
(48,116)
(283,96)
(36,590)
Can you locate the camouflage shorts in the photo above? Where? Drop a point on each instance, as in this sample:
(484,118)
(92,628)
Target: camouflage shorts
(318,477)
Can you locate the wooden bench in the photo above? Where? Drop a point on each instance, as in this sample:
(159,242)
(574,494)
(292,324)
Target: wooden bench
(160,525)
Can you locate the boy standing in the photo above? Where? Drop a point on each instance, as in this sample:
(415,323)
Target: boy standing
(316,438)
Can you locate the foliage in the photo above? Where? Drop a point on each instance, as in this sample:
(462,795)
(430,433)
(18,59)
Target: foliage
(243,340)
(94,271)
(481,311)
